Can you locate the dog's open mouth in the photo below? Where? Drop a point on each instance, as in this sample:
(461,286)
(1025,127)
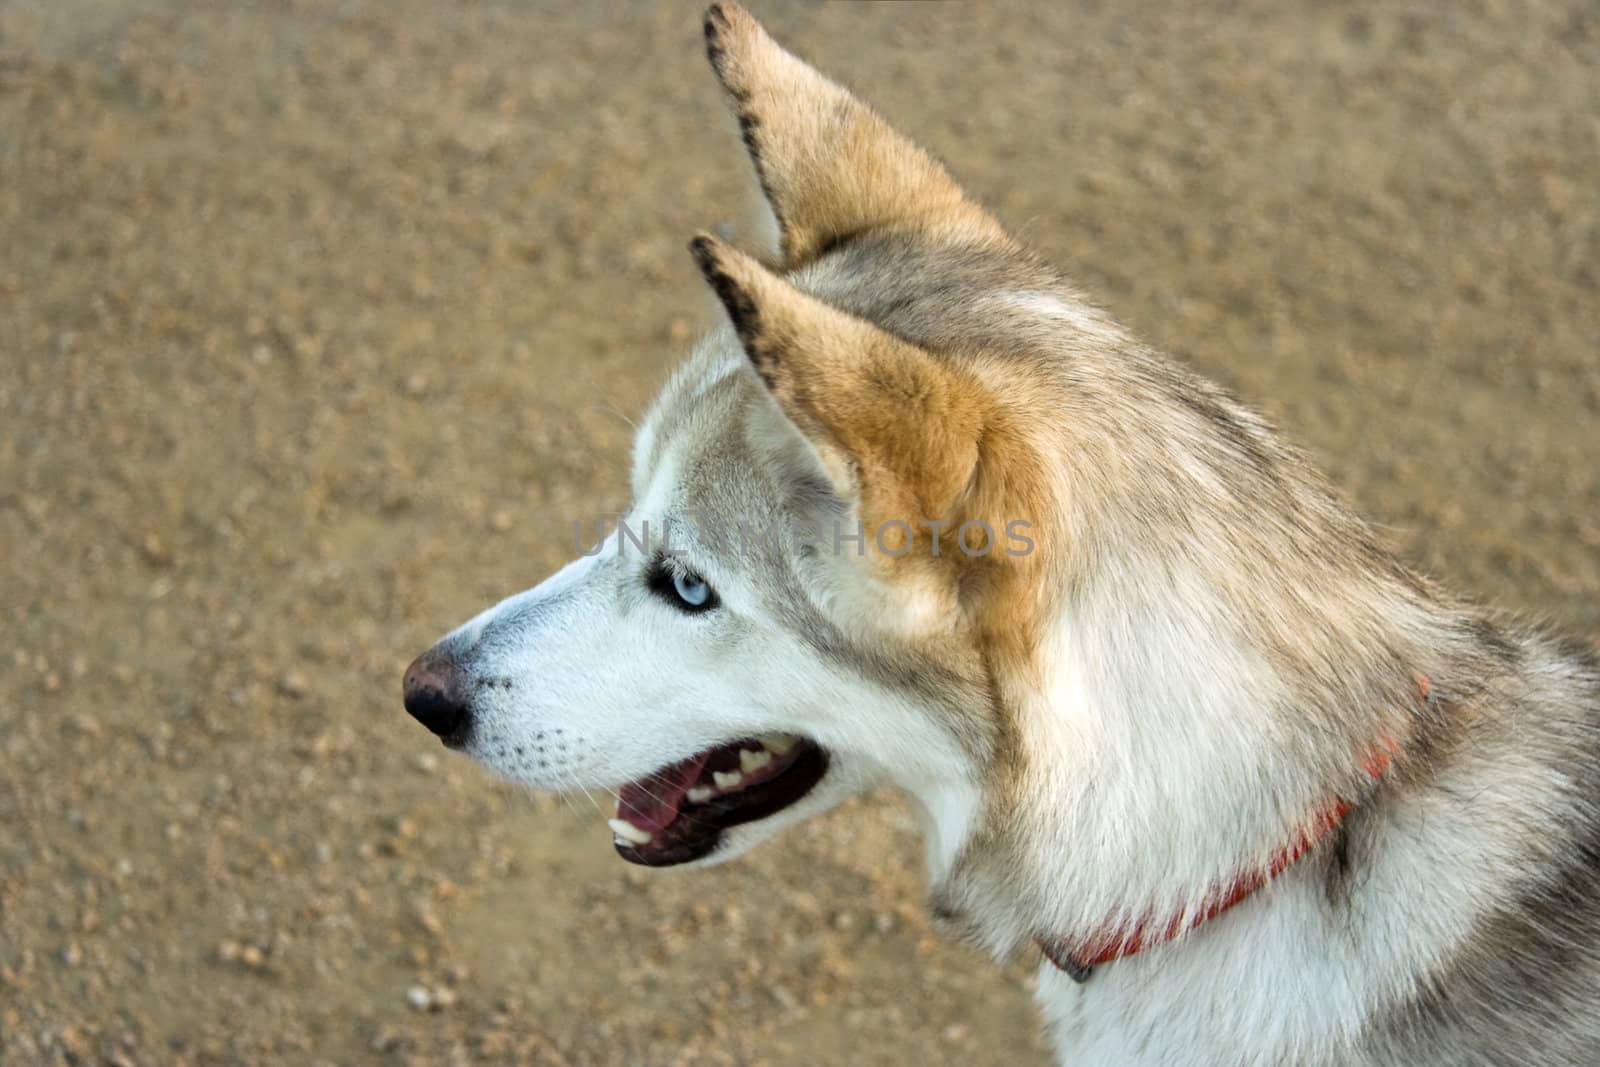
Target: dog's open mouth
(678,813)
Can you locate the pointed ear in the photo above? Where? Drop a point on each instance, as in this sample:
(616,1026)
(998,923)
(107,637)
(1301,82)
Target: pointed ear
(897,428)
(829,166)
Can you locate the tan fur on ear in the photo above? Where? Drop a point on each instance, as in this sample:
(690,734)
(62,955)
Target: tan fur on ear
(907,425)
(830,167)
(920,444)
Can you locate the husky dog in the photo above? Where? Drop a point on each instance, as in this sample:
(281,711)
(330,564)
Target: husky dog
(1260,793)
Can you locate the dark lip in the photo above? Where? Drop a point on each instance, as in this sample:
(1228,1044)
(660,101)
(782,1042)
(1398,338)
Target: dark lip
(697,831)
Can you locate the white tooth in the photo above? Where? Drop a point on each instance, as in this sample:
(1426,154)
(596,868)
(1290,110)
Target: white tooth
(699,794)
(778,744)
(751,762)
(629,832)
(726,781)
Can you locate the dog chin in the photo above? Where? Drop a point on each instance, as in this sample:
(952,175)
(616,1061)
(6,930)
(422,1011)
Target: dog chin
(706,809)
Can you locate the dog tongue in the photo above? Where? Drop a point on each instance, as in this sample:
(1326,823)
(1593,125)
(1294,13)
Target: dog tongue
(653,803)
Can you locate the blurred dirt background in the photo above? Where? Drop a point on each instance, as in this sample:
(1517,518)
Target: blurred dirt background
(321,321)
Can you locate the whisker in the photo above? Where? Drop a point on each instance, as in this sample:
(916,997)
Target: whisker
(593,803)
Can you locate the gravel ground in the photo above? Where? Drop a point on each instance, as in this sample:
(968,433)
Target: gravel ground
(321,321)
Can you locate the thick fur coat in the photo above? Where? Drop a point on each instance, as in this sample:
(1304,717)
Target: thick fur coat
(1189,667)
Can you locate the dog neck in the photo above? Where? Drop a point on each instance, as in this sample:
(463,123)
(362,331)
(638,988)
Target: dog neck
(1139,798)
(1078,959)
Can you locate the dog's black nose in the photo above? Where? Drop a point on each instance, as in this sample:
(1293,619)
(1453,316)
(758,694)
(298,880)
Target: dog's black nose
(435,697)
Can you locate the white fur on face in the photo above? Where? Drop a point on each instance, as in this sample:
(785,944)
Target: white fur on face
(590,680)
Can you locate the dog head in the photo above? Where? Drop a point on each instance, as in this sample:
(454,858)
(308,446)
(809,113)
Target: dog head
(831,566)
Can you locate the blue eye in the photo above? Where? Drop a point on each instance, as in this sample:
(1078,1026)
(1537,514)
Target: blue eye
(684,590)
(692,590)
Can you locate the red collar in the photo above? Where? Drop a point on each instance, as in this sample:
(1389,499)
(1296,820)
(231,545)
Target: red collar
(1078,961)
